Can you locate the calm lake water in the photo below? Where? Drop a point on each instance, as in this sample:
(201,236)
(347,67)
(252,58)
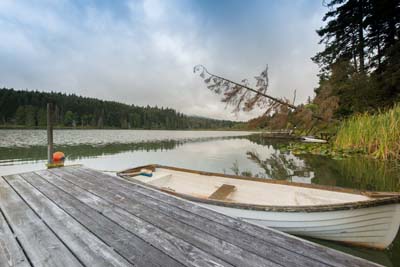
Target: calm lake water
(217,151)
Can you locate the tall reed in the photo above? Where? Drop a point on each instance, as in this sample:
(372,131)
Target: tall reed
(375,134)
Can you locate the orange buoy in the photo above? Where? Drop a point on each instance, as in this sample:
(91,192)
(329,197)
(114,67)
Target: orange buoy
(58,156)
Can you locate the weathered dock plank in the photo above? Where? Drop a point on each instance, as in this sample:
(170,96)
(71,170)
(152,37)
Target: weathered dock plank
(186,224)
(274,238)
(75,216)
(90,250)
(11,254)
(177,248)
(130,246)
(217,246)
(40,244)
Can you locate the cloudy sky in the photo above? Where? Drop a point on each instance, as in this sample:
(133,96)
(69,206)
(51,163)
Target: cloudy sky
(143,52)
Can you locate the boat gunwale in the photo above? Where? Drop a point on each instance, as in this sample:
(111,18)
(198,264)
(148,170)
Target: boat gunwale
(377,198)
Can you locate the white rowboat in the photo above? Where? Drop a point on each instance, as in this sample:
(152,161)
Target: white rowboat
(311,139)
(369,219)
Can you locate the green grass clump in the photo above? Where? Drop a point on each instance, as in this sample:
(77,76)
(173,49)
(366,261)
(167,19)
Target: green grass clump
(375,134)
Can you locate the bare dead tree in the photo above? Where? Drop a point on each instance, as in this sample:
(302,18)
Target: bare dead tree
(242,97)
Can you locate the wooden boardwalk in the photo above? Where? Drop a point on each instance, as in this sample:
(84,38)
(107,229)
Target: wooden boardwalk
(74,216)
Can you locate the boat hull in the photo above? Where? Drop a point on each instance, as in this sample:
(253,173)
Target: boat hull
(312,140)
(362,218)
(374,227)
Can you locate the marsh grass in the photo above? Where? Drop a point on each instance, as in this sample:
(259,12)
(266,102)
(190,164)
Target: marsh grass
(375,134)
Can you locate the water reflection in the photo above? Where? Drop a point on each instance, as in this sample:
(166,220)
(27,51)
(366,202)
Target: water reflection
(246,155)
(354,172)
(13,155)
(282,166)
(68,137)
(385,258)
(37,153)
(358,173)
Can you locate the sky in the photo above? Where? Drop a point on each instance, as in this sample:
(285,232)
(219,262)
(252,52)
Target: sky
(142,52)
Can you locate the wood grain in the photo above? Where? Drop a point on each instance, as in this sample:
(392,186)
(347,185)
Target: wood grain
(323,254)
(191,226)
(87,247)
(11,254)
(177,248)
(386,198)
(74,216)
(42,246)
(217,246)
(222,192)
(131,247)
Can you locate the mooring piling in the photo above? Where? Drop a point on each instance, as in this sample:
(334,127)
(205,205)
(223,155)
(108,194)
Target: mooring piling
(49,134)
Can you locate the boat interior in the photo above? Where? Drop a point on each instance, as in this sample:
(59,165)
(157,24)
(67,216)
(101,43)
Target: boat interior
(239,190)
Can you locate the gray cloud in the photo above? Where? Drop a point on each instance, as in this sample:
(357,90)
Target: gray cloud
(143,52)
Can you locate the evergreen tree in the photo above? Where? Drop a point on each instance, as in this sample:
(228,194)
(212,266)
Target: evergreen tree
(361,40)
(28,108)
(20,115)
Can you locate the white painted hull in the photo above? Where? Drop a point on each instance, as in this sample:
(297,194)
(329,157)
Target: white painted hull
(312,140)
(370,227)
(369,219)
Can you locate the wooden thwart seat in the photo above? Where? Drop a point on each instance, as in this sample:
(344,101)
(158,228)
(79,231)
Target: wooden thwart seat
(222,192)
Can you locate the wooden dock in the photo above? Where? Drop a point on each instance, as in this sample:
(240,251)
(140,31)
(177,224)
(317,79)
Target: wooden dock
(75,216)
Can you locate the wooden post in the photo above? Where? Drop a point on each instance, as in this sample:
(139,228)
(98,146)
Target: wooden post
(49,134)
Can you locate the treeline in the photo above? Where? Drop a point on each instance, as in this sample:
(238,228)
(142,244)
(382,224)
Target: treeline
(28,108)
(360,64)
(359,67)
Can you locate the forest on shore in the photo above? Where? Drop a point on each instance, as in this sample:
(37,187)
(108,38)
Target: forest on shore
(360,64)
(359,67)
(359,72)
(358,97)
(28,109)
(357,101)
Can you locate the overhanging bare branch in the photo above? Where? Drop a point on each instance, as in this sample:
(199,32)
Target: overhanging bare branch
(230,88)
(243,97)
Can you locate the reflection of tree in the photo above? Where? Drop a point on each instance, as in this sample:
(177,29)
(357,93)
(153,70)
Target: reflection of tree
(265,141)
(355,172)
(85,150)
(236,170)
(278,166)
(89,150)
(358,173)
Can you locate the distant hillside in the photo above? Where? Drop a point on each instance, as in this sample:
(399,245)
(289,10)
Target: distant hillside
(28,108)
